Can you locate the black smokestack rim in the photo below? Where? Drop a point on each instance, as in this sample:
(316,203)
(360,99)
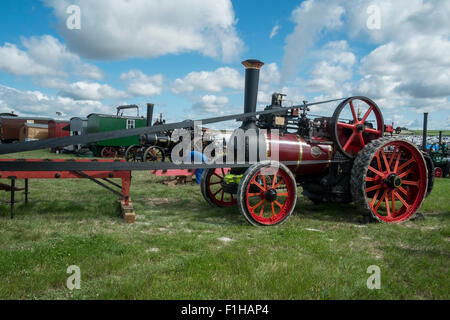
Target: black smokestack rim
(252,71)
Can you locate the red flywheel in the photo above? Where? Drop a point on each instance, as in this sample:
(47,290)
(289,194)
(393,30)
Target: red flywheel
(355,123)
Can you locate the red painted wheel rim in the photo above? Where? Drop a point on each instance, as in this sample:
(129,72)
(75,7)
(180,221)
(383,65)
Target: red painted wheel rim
(350,135)
(390,200)
(215,189)
(261,208)
(109,152)
(438,173)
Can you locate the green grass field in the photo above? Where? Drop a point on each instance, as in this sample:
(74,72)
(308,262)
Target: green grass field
(180,248)
(432,132)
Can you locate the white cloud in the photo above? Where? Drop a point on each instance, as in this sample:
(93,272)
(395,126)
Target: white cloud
(143,85)
(150,28)
(91,91)
(333,74)
(409,69)
(274,31)
(35,103)
(209,81)
(17,62)
(311,18)
(44,56)
(399,19)
(210,104)
(407,73)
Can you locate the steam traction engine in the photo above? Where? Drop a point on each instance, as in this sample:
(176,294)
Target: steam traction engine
(342,158)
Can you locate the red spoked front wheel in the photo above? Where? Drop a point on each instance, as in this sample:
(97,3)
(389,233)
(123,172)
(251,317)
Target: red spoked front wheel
(267,194)
(389,180)
(356,122)
(214,188)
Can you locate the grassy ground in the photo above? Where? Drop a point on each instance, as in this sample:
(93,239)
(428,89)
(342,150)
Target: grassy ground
(432,132)
(180,248)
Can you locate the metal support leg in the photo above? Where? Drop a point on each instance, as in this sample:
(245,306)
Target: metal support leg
(13,191)
(26,191)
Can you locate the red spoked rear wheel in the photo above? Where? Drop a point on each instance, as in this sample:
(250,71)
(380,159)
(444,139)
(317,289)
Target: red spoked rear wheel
(267,194)
(213,190)
(109,152)
(389,180)
(356,122)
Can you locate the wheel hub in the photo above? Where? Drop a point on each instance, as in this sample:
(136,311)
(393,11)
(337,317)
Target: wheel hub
(360,128)
(393,181)
(270,195)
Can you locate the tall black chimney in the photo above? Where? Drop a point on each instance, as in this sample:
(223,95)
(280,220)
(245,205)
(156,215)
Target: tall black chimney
(425,131)
(252,68)
(150,107)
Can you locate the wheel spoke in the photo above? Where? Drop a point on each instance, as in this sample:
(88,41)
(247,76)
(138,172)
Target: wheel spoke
(374,199)
(381,200)
(378,161)
(349,141)
(274,182)
(404,174)
(258,185)
(370,130)
(378,186)
(283,194)
(278,204)
(402,201)
(215,194)
(370,179)
(411,183)
(394,154)
(388,209)
(393,203)
(397,162)
(264,181)
(254,194)
(367,114)
(262,211)
(258,204)
(279,183)
(405,192)
(375,171)
(355,117)
(221,178)
(406,164)
(273,210)
(346,125)
(361,139)
(385,161)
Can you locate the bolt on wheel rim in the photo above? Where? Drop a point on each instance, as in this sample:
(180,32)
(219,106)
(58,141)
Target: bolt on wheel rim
(396,182)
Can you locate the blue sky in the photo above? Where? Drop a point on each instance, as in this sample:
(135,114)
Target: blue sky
(185,56)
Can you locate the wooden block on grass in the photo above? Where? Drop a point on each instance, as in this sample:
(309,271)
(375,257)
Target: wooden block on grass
(128,211)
